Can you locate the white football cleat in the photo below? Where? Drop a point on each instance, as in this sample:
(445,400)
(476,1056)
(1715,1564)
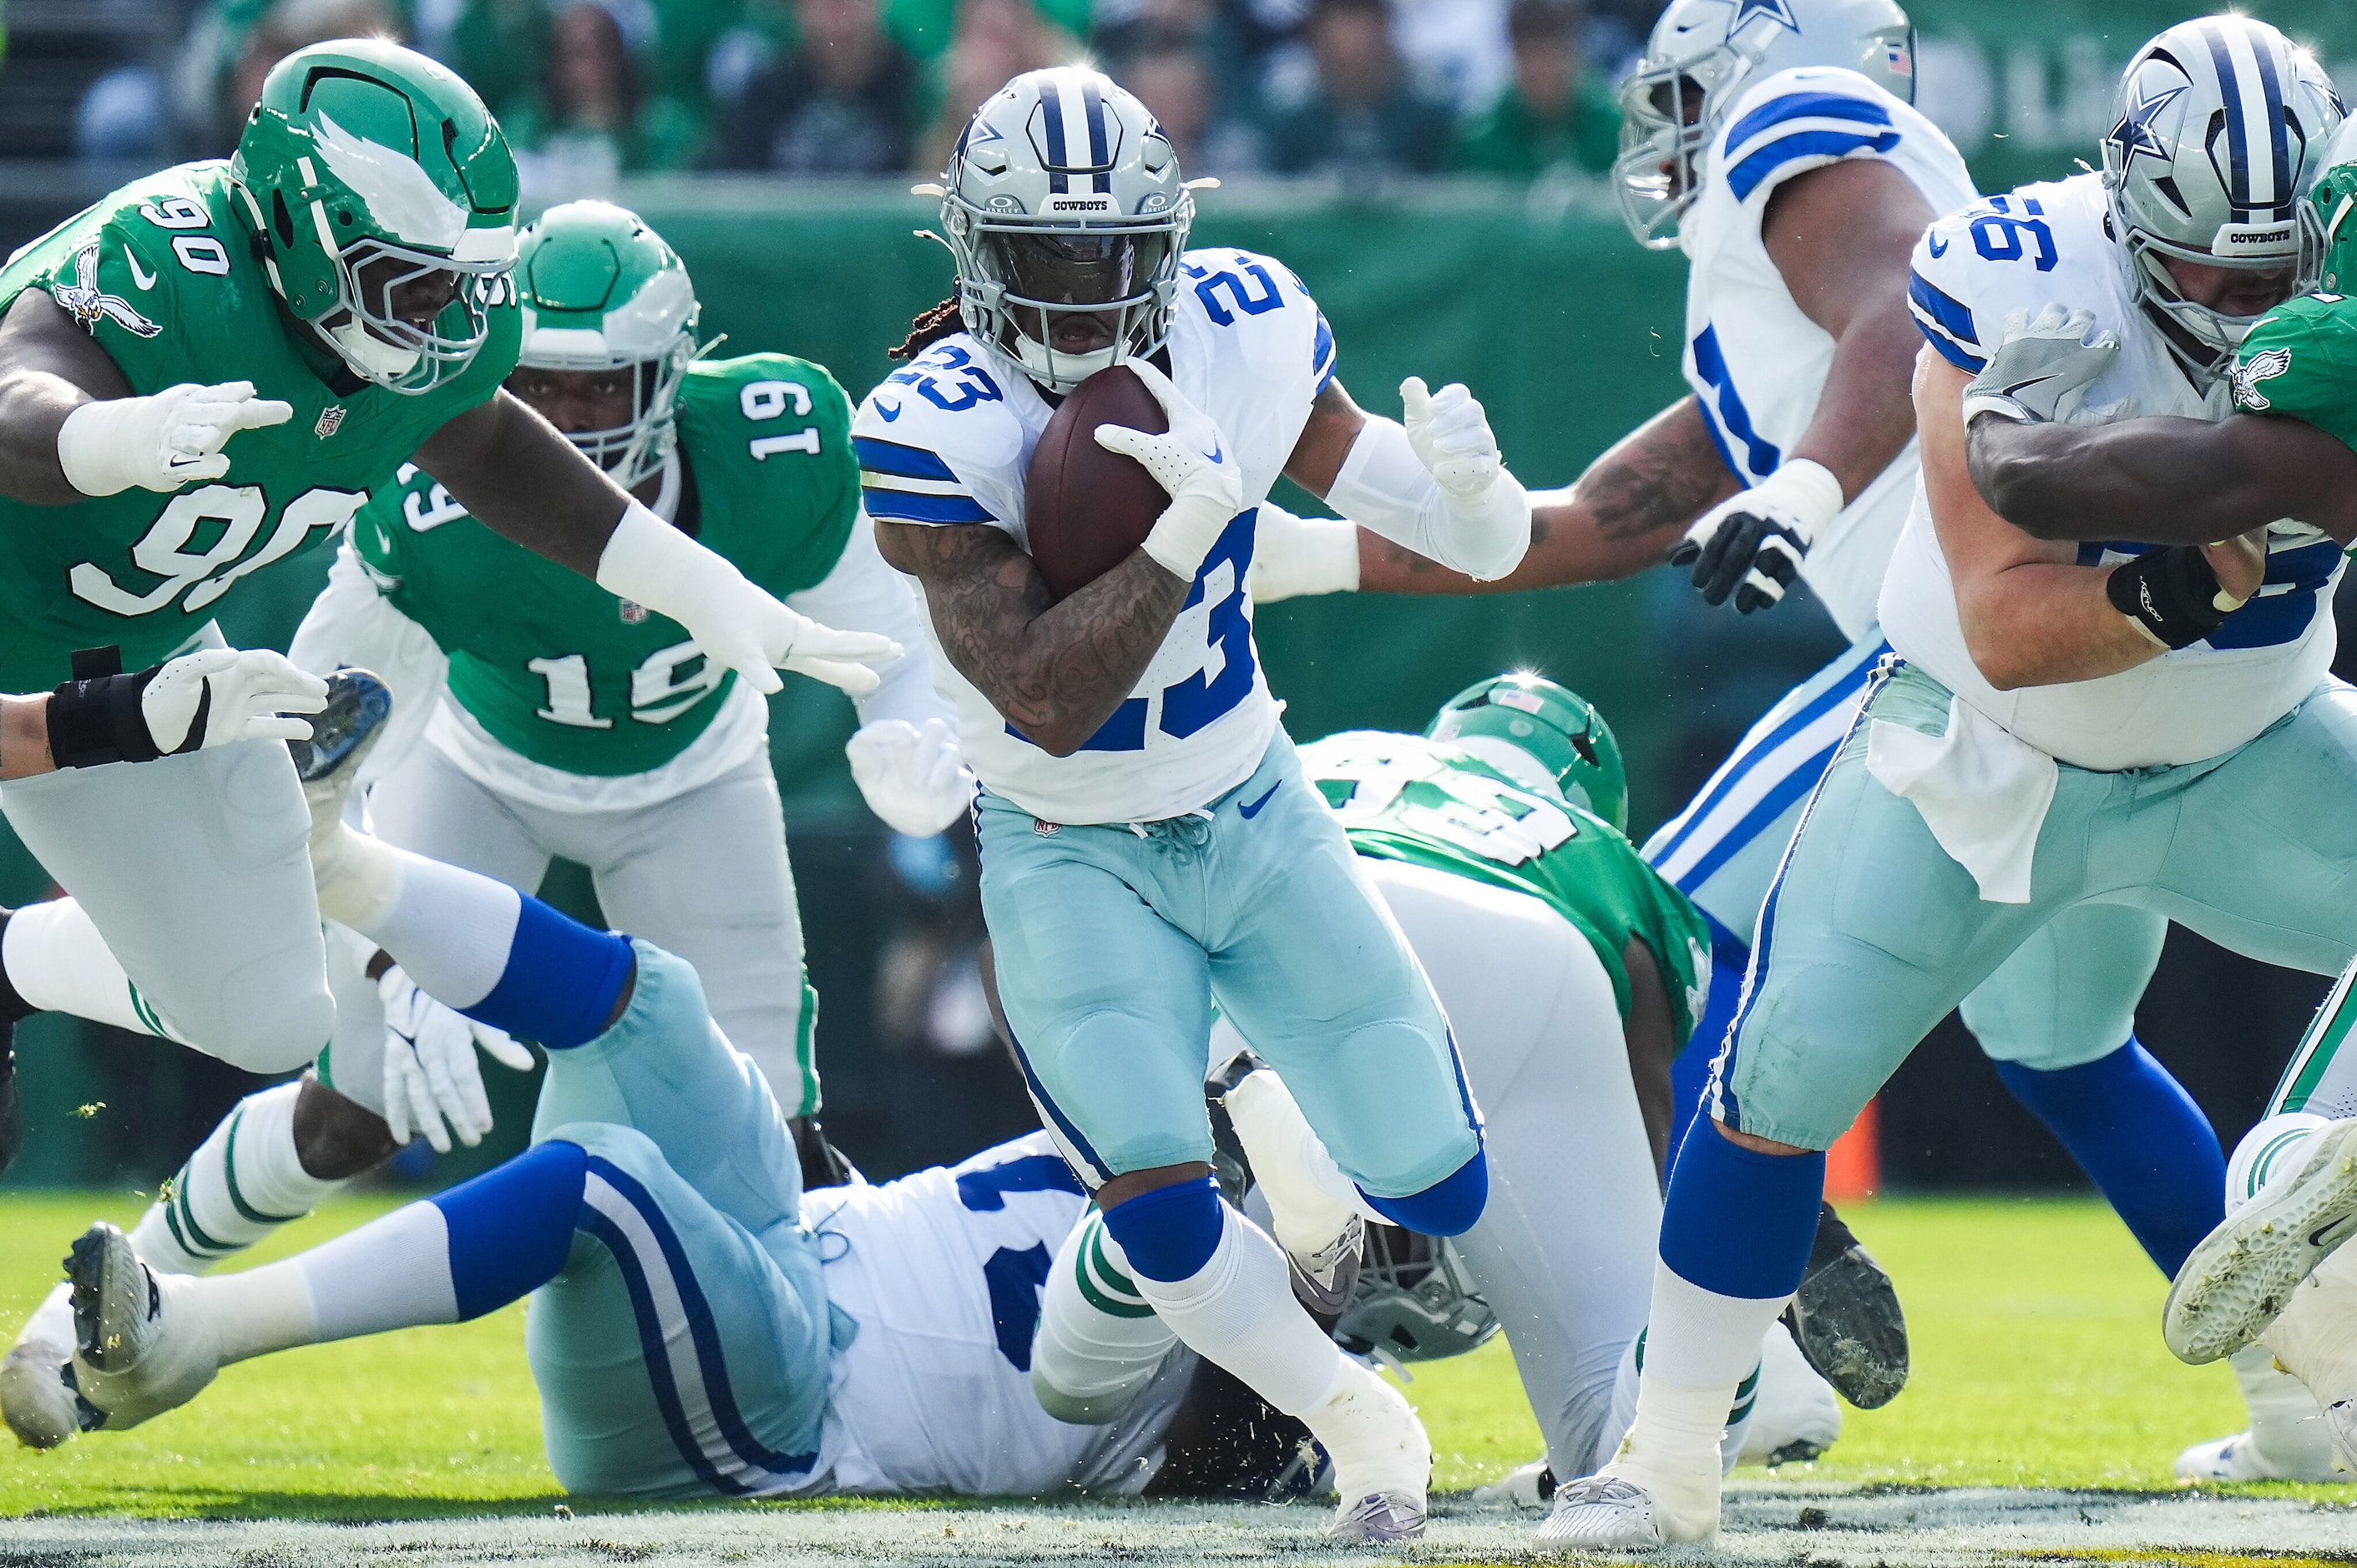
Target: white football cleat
(1383,1461)
(1601,1511)
(35,1398)
(2240,1458)
(2241,1274)
(144,1345)
(1530,1487)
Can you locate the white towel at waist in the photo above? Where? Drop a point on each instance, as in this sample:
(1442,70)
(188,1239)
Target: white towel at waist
(1983,792)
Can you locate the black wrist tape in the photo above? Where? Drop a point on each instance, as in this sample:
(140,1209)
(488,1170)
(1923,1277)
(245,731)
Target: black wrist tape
(2172,592)
(95,718)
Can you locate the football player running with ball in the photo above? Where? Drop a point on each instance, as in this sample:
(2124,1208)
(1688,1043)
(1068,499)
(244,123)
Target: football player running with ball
(1776,146)
(1149,842)
(2289,450)
(350,267)
(2062,723)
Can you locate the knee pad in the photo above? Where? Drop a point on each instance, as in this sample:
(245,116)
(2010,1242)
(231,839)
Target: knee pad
(1450,1207)
(1169,1233)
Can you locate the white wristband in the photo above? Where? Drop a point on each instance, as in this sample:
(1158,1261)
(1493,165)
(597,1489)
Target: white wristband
(99,455)
(1809,493)
(1296,557)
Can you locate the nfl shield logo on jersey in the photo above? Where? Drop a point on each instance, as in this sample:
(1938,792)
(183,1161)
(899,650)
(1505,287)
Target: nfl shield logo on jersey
(633,615)
(331,419)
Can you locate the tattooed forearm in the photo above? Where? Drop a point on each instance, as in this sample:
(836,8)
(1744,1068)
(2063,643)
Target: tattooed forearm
(1056,670)
(1621,516)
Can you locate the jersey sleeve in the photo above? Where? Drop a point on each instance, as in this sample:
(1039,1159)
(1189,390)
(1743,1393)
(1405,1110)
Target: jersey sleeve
(1798,120)
(107,276)
(770,438)
(938,446)
(1279,333)
(2300,363)
(1973,268)
(1940,283)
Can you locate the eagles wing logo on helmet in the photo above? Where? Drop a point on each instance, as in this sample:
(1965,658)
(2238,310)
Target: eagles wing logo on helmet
(2263,367)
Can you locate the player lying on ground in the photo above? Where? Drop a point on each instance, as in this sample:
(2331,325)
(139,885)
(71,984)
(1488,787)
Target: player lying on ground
(580,724)
(2063,723)
(1149,845)
(1779,145)
(351,272)
(1568,969)
(2289,450)
(659,1207)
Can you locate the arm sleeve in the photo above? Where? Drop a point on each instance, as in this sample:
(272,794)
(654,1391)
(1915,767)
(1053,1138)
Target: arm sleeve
(863,593)
(2293,366)
(1384,487)
(351,623)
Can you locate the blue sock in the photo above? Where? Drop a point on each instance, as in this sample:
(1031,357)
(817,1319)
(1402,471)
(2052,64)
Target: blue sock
(2134,1129)
(1690,1073)
(510,1227)
(1447,1208)
(561,982)
(1740,1222)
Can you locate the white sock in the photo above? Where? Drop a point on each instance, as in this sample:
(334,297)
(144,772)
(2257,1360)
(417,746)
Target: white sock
(1100,1343)
(392,1272)
(1700,1339)
(2286,1426)
(449,928)
(1736,1424)
(58,963)
(244,1182)
(1238,1311)
(2271,1151)
(1309,1199)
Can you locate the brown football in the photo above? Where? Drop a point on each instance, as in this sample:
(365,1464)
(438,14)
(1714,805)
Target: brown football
(1084,508)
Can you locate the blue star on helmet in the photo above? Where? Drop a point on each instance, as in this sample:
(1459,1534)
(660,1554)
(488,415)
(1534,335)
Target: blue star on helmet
(2133,135)
(1778,11)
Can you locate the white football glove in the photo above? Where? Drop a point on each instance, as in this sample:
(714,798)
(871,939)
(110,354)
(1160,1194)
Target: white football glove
(162,442)
(649,563)
(1294,557)
(1751,544)
(2041,369)
(219,696)
(1193,464)
(916,779)
(430,1072)
(1450,431)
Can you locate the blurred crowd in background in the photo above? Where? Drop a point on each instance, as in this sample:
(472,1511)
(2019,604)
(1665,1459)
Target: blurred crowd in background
(591,91)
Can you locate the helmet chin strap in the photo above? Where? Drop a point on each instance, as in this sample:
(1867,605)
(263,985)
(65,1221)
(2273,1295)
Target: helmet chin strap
(370,355)
(1054,368)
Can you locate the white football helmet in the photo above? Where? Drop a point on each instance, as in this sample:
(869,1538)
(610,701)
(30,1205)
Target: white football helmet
(1702,54)
(1063,197)
(2220,129)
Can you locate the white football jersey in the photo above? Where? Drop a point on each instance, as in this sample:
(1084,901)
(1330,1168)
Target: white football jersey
(945,442)
(1755,361)
(943,1272)
(2050,243)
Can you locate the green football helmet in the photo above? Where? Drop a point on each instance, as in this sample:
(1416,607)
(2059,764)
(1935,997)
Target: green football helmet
(1542,735)
(601,291)
(377,183)
(2335,195)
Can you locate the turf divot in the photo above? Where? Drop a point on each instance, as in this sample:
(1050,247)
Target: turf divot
(1791,1526)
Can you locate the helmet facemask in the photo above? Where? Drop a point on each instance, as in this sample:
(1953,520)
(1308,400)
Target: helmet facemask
(635,451)
(1020,282)
(381,285)
(1668,114)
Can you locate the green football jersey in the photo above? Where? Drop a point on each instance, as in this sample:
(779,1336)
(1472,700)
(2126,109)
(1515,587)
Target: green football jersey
(162,275)
(2300,360)
(566,674)
(1402,797)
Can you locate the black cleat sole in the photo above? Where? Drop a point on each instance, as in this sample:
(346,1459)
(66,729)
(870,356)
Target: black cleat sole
(1846,1318)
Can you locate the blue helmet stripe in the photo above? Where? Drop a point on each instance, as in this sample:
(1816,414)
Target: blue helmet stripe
(1052,105)
(2279,131)
(2238,142)
(1100,160)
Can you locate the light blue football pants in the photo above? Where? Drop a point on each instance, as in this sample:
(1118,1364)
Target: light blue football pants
(685,1347)
(1113,941)
(1871,932)
(2066,995)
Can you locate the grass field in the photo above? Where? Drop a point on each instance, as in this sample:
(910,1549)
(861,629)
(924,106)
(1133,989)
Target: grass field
(2038,1361)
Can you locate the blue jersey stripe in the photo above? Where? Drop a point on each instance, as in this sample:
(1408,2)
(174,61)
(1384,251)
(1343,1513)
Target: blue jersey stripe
(908,506)
(1944,320)
(1808,106)
(1321,354)
(1745,177)
(880,456)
